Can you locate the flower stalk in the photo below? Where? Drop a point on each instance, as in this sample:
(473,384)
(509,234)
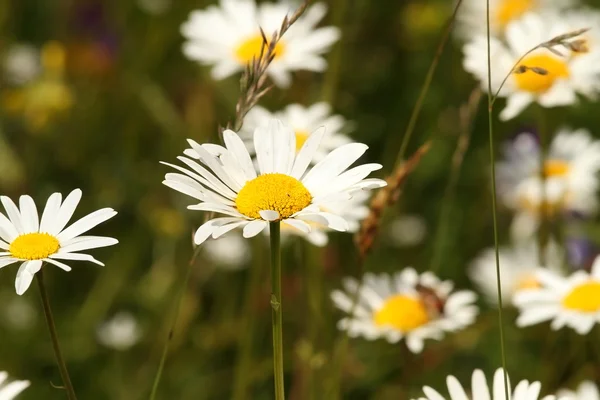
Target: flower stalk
(276,312)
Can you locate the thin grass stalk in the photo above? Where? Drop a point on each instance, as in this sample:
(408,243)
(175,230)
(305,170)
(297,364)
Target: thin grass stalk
(494,212)
(276,312)
(244,368)
(425,87)
(165,351)
(60,361)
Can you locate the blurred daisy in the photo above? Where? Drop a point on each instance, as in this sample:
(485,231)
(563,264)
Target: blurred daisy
(518,265)
(285,188)
(570,170)
(559,78)
(304,121)
(228,252)
(407,305)
(407,230)
(472,15)
(573,301)
(480,390)
(9,391)
(228,37)
(353,211)
(26,237)
(120,332)
(21,63)
(44,95)
(587,390)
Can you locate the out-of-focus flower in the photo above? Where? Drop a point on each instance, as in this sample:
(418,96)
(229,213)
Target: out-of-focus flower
(228,37)
(25,237)
(572,301)
(587,390)
(304,121)
(9,391)
(21,63)
(407,305)
(472,15)
(542,76)
(480,390)
(19,313)
(570,170)
(120,332)
(228,252)
(38,100)
(284,189)
(154,7)
(581,252)
(518,266)
(407,230)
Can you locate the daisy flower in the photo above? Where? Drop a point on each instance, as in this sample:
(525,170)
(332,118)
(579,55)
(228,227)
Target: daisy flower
(26,237)
(406,305)
(572,301)
(480,390)
(472,15)
(563,77)
(9,391)
(518,265)
(283,189)
(304,121)
(570,170)
(353,211)
(120,333)
(228,37)
(587,390)
(229,252)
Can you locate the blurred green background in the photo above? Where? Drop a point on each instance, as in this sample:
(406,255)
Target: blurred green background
(117,96)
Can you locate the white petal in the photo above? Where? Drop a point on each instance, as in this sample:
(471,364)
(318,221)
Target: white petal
(307,153)
(215,165)
(254,228)
(60,265)
(29,214)
(76,257)
(86,223)
(455,389)
(25,275)
(86,243)
(8,231)
(50,212)
(11,390)
(66,212)
(13,214)
(7,261)
(332,221)
(298,224)
(236,146)
(269,215)
(205,230)
(221,230)
(263,146)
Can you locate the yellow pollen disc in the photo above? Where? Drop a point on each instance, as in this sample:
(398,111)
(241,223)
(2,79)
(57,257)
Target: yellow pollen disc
(528,282)
(277,192)
(585,298)
(251,48)
(34,246)
(556,168)
(402,312)
(301,137)
(538,83)
(509,10)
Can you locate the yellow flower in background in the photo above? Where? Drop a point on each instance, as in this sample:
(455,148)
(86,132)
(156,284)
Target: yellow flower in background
(46,94)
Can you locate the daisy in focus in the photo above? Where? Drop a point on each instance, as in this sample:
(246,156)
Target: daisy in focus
(228,38)
(572,301)
(518,265)
(406,305)
(480,390)
(32,240)
(543,76)
(472,15)
(9,391)
(570,172)
(586,390)
(283,189)
(304,121)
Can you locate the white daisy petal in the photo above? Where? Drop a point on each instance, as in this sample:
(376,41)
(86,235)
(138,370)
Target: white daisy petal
(254,228)
(86,243)
(7,261)
(25,275)
(269,215)
(60,265)
(65,213)
(29,214)
(76,257)
(13,214)
(50,212)
(8,232)
(86,223)
(307,153)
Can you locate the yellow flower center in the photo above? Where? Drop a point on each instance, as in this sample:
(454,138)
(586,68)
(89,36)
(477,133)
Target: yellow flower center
(402,312)
(301,137)
(251,48)
(556,168)
(509,10)
(34,246)
(277,192)
(584,298)
(548,70)
(528,282)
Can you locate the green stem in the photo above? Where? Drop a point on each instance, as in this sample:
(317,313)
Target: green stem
(276,312)
(165,351)
(495,218)
(544,211)
(245,366)
(62,366)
